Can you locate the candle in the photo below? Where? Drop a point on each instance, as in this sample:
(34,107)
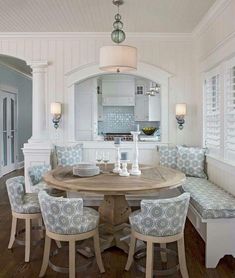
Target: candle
(117,140)
(137,127)
(124,156)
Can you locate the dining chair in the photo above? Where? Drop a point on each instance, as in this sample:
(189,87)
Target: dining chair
(23,206)
(159,221)
(67,220)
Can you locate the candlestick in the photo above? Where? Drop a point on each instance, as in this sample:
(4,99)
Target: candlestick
(135,171)
(117,168)
(124,172)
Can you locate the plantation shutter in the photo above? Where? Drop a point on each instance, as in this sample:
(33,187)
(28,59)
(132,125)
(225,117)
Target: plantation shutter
(229,112)
(212,113)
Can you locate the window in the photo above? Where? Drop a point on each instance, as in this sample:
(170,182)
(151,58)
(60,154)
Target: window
(139,89)
(212,112)
(229,111)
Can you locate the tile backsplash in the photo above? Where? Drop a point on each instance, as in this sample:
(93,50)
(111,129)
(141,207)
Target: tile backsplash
(120,119)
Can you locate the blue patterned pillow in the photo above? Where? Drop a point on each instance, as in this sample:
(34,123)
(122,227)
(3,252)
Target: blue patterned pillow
(69,155)
(191,161)
(168,156)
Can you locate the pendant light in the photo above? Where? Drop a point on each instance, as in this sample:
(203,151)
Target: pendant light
(118,58)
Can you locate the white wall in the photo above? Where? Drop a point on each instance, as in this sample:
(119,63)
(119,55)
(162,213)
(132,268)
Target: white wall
(214,42)
(64,52)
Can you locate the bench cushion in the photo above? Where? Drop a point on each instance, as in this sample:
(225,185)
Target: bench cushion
(210,200)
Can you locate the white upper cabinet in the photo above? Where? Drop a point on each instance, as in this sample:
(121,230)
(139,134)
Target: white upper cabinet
(118,91)
(147,108)
(86,110)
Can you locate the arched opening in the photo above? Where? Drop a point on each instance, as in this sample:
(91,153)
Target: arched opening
(145,71)
(15,111)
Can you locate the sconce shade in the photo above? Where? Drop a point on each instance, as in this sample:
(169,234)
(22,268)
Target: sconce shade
(118,58)
(56,108)
(180,109)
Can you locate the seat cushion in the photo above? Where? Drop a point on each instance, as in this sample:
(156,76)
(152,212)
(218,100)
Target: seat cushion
(69,155)
(168,156)
(210,200)
(191,161)
(31,204)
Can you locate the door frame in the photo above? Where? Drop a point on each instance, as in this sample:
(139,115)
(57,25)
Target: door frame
(12,90)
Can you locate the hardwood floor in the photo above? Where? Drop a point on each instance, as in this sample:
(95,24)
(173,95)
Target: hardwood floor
(12,262)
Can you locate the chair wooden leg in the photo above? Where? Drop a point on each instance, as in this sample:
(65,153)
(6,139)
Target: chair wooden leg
(162,253)
(27,239)
(46,255)
(98,252)
(182,259)
(149,260)
(13,232)
(131,252)
(72,261)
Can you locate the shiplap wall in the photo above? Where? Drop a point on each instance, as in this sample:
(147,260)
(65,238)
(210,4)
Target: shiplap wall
(214,42)
(64,52)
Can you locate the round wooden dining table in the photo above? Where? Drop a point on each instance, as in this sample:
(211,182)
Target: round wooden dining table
(114,209)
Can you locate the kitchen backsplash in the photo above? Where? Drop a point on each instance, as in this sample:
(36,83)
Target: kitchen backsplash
(120,119)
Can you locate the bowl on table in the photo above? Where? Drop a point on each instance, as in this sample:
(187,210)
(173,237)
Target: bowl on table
(149,130)
(86,170)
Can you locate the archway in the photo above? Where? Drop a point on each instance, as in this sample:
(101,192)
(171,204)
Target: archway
(145,70)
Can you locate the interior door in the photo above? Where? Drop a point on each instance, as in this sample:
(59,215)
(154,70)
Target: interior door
(8,132)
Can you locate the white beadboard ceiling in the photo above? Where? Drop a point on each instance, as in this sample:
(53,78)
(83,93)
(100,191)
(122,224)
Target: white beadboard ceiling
(173,16)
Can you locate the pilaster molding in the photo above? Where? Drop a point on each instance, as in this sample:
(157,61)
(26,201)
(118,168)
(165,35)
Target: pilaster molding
(37,64)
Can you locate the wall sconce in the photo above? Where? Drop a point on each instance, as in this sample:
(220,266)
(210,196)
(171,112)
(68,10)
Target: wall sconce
(180,112)
(56,113)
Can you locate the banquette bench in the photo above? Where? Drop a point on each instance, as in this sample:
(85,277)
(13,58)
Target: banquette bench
(211,209)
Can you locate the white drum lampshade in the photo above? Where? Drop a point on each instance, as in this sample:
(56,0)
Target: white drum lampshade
(180,109)
(56,108)
(118,58)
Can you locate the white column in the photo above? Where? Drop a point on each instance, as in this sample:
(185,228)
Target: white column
(39,101)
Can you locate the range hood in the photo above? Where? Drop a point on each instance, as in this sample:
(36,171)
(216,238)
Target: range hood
(118,92)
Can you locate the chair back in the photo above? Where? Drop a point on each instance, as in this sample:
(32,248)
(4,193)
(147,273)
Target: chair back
(16,191)
(163,217)
(60,215)
(36,173)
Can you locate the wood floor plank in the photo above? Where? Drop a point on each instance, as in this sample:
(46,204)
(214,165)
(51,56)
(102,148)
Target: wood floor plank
(12,262)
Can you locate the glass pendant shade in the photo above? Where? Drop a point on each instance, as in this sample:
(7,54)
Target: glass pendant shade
(118,58)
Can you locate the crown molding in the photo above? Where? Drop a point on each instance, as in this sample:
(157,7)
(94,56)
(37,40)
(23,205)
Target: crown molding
(28,76)
(217,8)
(74,35)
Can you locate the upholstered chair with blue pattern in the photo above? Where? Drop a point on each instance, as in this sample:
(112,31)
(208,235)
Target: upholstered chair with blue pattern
(24,206)
(35,174)
(160,221)
(67,220)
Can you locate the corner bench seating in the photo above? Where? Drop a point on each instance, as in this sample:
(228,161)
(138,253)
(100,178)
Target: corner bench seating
(212,213)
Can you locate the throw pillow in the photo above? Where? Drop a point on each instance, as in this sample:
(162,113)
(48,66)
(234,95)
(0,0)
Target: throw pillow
(168,156)
(69,155)
(191,161)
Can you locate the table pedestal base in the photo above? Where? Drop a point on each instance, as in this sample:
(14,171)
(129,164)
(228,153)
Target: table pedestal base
(114,210)
(114,230)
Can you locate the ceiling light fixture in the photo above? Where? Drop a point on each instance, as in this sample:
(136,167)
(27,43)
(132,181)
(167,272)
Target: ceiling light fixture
(118,58)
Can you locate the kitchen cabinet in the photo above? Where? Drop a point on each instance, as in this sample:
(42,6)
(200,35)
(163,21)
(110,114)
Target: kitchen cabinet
(147,108)
(118,91)
(86,105)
